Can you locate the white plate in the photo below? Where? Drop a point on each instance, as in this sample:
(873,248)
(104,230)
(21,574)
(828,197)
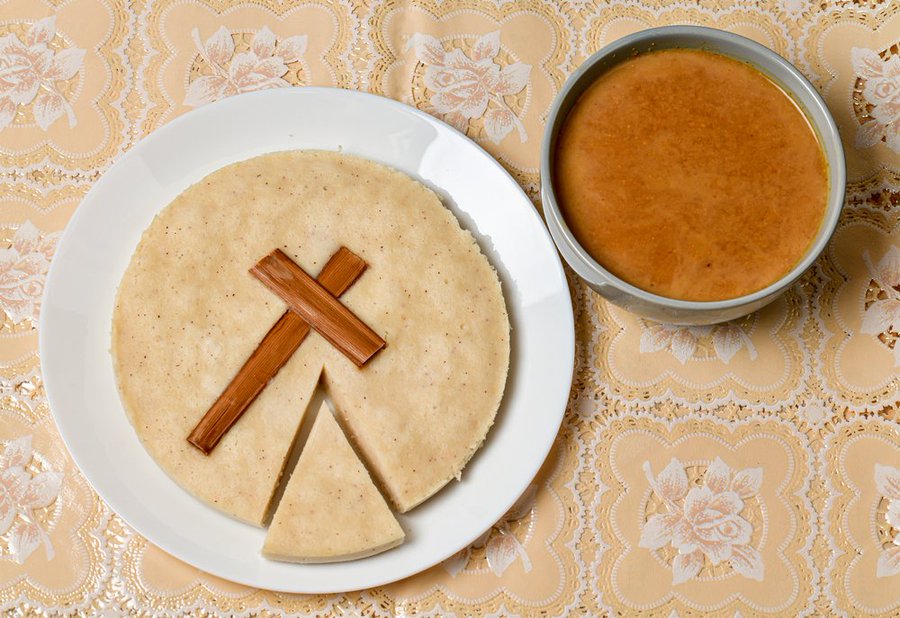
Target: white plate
(103,233)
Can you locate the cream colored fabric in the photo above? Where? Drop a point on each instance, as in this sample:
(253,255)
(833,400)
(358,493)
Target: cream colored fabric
(189,313)
(331,509)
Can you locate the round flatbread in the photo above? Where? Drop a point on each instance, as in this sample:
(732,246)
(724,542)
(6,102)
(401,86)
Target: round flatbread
(188,315)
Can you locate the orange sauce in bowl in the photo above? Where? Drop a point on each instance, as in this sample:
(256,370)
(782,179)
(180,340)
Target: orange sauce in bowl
(690,175)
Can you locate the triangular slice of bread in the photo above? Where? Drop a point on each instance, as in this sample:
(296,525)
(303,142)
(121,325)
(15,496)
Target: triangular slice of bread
(331,510)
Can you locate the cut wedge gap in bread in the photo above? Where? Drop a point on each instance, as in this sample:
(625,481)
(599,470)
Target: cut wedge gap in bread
(317,399)
(325,387)
(328,495)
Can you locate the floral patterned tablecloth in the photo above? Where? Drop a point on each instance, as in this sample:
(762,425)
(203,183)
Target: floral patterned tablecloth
(751,468)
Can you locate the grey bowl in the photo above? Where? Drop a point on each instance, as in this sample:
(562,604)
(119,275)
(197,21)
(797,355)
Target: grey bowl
(769,63)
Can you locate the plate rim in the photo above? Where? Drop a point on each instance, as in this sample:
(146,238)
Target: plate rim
(173,127)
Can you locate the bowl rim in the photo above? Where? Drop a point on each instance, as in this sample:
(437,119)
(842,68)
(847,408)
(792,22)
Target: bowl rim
(792,81)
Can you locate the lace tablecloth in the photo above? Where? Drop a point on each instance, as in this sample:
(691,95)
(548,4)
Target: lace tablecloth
(751,468)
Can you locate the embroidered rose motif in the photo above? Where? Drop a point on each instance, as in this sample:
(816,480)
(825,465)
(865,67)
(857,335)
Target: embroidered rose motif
(260,68)
(704,522)
(887,481)
(23,268)
(20,495)
(882,316)
(29,72)
(501,546)
(466,87)
(881,90)
(683,341)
